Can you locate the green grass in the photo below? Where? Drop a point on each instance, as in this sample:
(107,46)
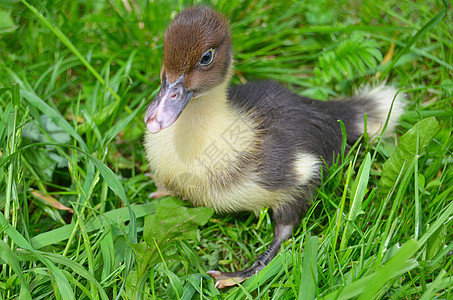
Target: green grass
(75,218)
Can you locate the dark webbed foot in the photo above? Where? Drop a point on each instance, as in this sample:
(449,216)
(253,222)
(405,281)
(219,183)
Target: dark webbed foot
(224,279)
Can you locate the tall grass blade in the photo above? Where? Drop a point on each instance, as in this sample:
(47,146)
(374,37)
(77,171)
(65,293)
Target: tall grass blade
(426,28)
(309,278)
(390,269)
(10,258)
(61,281)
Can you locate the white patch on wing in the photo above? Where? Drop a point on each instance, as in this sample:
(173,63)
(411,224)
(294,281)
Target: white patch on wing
(306,166)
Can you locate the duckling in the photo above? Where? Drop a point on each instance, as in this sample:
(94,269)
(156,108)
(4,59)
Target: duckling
(245,147)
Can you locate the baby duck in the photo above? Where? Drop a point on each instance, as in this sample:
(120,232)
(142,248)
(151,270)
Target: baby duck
(244,147)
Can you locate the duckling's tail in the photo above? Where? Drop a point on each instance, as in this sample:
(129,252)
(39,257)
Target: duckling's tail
(380,104)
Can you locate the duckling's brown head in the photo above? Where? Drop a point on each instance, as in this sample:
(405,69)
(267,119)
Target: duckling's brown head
(197,57)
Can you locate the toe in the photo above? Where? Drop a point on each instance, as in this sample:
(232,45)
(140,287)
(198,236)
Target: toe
(217,275)
(224,279)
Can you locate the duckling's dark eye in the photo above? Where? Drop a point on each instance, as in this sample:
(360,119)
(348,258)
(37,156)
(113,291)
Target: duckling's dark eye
(207,58)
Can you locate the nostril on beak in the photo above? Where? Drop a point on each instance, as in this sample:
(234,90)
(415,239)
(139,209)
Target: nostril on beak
(175,93)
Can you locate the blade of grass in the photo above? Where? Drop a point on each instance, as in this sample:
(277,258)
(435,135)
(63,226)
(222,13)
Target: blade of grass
(61,281)
(434,287)
(359,188)
(426,28)
(10,258)
(108,175)
(55,30)
(309,278)
(390,269)
(397,265)
(109,218)
(79,269)
(55,115)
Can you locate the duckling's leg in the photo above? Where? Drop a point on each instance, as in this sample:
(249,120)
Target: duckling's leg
(223,279)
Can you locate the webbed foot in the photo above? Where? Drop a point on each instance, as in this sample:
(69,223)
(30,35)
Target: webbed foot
(225,279)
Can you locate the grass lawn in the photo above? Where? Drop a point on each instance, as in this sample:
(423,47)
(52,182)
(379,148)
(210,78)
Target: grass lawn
(75,219)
